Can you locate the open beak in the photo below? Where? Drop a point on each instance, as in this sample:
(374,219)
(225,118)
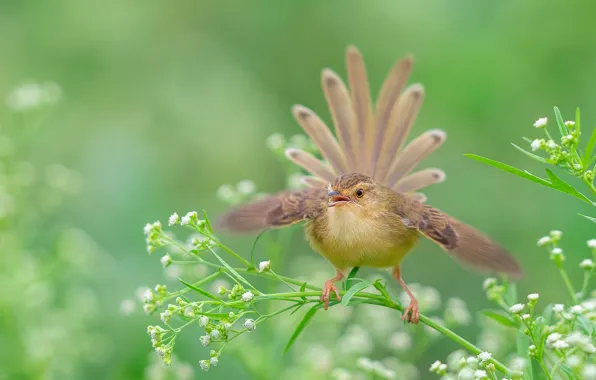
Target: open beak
(336,199)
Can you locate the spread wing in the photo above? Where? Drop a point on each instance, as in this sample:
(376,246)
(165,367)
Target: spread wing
(464,242)
(278,210)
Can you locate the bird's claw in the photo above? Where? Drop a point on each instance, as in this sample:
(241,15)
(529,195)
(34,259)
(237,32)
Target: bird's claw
(411,313)
(329,287)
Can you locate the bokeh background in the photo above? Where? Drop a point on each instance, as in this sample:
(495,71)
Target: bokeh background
(163,102)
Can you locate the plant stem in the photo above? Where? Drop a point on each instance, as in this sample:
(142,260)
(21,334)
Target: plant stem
(568,284)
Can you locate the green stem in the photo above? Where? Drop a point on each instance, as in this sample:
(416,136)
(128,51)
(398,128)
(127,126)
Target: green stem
(568,285)
(205,280)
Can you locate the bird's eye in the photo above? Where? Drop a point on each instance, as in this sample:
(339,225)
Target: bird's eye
(359,193)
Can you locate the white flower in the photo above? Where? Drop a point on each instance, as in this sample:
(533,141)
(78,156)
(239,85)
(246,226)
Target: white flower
(173,219)
(560,345)
(587,264)
(166,260)
(205,340)
(226,193)
(466,374)
(246,187)
(185,220)
(489,283)
(188,312)
(541,123)
(204,364)
(535,145)
(569,123)
(33,95)
(215,334)
(558,308)
(577,309)
(480,374)
(553,337)
(550,144)
(484,356)
(517,308)
(592,243)
(533,296)
(147,295)
(148,227)
(148,308)
(556,234)
(472,361)
(250,324)
(203,320)
(247,297)
(264,266)
(557,251)
(589,348)
(525,317)
(435,366)
(214,361)
(543,241)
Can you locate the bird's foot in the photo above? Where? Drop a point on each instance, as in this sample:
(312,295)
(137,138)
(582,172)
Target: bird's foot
(411,314)
(327,289)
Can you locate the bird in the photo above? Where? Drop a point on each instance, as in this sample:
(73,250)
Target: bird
(361,206)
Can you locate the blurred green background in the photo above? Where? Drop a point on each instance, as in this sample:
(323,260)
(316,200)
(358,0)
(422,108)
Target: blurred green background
(165,101)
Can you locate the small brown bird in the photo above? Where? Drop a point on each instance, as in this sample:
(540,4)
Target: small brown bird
(361,207)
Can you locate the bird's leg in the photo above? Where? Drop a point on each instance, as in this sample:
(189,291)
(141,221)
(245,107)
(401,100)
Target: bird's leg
(411,313)
(330,287)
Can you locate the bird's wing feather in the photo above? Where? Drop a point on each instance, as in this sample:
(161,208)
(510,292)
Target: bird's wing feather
(464,242)
(278,210)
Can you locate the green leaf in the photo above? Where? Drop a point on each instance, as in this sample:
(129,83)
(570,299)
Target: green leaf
(504,320)
(297,308)
(559,184)
(589,218)
(578,120)
(382,289)
(305,320)
(207,222)
(198,290)
(231,270)
(589,149)
(562,128)
(351,277)
(547,314)
(353,290)
(511,295)
(531,155)
(302,289)
(509,169)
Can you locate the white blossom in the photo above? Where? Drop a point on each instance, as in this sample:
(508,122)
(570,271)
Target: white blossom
(214,361)
(166,260)
(205,340)
(541,123)
(550,144)
(204,364)
(577,309)
(264,266)
(214,334)
(535,145)
(489,283)
(246,187)
(203,320)
(525,317)
(587,264)
(480,374)
(435,366)
(558,308)
(569,123)
(533,296)
(250,324)
(589,372)
(543,241)
(185,220)
(484,356)
(592,243)
(553,337)
(557,251)
(560,345)
(517,308)
(173,219)
(247,296)
(556,234)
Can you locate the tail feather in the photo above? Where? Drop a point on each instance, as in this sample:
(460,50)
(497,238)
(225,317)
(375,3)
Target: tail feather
(419,180)
(413,153)
(402,117)
(313,181)
(311,164)
(361,102)
(392,88)
(316,129)
(342,112)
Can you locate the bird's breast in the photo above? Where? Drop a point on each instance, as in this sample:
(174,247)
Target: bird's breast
(349,236)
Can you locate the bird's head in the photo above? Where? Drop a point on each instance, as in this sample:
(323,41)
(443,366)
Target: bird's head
(355,190)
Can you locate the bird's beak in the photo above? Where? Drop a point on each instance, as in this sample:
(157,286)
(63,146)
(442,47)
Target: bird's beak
(336,199)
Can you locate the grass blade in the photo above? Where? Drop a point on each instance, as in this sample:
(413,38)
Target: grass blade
(589,148)
(509,169)
(254,245)
(531,155)
(198,290)
(208,223)
(500,318)
(353,290)
(303,323)
(559,184)
(232,270)
(560,123)
(589,218)
(350,277)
